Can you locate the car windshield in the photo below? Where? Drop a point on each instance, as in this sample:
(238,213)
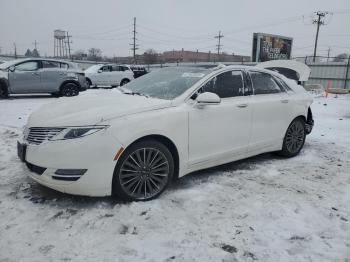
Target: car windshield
(167,83)
(7,64)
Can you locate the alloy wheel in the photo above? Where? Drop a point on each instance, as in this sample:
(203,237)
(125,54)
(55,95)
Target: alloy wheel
(144,173)
(295,137)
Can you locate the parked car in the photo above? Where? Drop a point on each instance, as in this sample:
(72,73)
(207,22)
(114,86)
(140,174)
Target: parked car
(108,75)
(36,75)
(138,70)
(164,125)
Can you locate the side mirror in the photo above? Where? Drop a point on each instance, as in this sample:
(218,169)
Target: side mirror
(208,98)
(99,71)
(12,68)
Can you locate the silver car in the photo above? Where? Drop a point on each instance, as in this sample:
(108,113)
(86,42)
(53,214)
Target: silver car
(37,75)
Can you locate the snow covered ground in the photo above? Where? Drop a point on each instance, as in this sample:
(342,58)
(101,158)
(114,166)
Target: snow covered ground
(265,208)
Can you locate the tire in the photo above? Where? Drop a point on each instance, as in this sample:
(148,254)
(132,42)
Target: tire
(3,91)
(89,82)
(134,181)
(124,82)
(294,138)
(70,89)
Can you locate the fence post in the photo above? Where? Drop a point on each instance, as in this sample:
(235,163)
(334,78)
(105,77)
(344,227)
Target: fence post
(347,73)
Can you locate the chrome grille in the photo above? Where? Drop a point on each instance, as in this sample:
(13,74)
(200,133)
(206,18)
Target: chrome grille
(37,135)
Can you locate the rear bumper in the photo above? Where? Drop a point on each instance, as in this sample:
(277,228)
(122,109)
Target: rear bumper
(309,122)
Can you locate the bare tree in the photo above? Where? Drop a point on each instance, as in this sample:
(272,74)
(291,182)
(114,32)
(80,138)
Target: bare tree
(95,54)
(79,54)
(341,58)
(150,56)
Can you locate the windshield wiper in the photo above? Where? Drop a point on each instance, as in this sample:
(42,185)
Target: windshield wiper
(129,92)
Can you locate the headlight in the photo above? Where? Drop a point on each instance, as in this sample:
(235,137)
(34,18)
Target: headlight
(76,132)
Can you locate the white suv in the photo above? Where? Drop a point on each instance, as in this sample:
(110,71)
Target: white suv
(108,75)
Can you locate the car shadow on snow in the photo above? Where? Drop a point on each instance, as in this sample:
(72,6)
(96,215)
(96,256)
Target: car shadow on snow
(39,194)
(205,175)
(30,96)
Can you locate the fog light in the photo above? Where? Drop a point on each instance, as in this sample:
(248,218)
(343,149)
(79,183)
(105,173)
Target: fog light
(68,174)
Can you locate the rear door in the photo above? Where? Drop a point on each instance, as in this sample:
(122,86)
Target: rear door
(271,112)
(25,78)
(52,75)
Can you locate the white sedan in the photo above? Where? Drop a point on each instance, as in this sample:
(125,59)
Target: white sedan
(162,126)
(108,75)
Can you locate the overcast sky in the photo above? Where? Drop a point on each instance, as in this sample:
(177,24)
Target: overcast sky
(172,24)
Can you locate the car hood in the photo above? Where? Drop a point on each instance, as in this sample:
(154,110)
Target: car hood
(91,109)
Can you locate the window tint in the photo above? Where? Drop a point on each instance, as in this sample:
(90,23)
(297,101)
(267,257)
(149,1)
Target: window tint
(228,84)
(283,84)
(115,68)
(50,64)
(105,69)
(27,66)
(264,83)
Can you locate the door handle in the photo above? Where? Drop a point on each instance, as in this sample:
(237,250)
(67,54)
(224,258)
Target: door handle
(35,73)
(285,101)
(242,105)
(62,74)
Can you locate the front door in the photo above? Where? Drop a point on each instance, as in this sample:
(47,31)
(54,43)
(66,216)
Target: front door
(25,78)
(220,133)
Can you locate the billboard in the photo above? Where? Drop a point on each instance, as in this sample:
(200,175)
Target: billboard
(268,47)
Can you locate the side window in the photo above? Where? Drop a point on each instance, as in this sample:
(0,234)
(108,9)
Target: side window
(27,66)
(64,66)
(264,83)
(228,84)
(115,68)
(50,64)
(105,69)
(283,84)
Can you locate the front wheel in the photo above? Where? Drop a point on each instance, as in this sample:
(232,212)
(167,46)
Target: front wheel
(70,89)
(294,138)
(3,91)
(143,171)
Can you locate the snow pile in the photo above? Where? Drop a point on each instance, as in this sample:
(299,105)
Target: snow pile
(265,208)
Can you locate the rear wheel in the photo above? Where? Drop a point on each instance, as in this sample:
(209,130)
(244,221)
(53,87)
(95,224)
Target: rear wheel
(124,82)
(70,89)
(89,83)
(144,171)
(294,138)
(3,91)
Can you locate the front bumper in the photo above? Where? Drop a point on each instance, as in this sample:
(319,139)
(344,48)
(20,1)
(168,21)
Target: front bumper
(82,166)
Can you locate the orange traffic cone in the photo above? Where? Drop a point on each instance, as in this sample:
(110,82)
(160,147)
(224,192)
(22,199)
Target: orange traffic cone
(327,89)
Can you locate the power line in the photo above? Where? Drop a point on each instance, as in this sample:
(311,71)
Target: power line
(318,21)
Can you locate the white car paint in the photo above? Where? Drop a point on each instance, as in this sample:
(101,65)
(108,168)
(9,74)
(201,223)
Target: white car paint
(204,135)
(108,74)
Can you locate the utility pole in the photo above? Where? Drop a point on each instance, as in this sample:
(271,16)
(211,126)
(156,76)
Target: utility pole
(320,15)
(15,47)
(69,42)
(134,46)
(328,52)
(35,45)
(219,36)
